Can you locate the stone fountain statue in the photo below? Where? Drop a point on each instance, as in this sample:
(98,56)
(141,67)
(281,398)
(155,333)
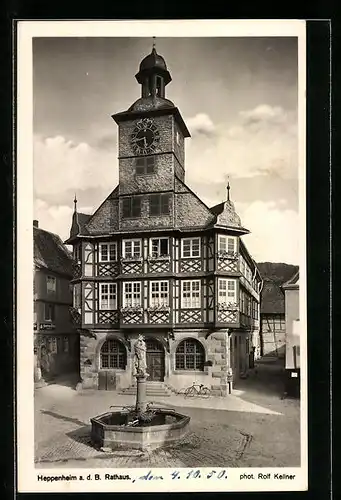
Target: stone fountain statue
(140,361)
(140,372)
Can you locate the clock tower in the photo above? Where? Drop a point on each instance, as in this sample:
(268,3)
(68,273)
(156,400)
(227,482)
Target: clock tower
(151,150)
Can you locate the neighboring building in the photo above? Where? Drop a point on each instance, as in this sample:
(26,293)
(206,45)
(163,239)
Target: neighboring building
(272,311)
(292,321)
(272,314)
(154,259)
(56,342)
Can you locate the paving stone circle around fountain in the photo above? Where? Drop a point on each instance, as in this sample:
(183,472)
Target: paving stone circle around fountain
(142,426)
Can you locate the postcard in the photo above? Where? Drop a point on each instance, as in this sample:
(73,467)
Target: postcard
(161,325)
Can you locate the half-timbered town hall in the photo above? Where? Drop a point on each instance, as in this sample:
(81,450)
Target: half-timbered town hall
(153,259)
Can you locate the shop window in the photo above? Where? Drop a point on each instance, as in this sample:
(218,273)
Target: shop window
(113,355)
(190,355)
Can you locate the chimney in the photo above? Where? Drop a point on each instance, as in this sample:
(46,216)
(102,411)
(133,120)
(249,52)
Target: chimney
(35,223)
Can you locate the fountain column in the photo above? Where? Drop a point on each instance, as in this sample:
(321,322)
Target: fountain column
(141,403)
(141,375)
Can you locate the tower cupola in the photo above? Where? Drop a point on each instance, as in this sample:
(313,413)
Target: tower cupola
(153,75)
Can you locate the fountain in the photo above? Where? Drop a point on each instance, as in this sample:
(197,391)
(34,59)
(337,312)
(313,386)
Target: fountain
(142,426)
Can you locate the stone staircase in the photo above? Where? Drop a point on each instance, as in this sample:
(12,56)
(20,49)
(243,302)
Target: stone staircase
(153,390)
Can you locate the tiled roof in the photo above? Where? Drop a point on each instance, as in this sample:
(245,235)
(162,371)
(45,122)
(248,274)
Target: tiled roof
(293,282)
(272,299)
(274,275)
(50,253)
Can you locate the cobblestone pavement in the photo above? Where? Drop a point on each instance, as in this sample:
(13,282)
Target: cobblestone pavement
(218,437)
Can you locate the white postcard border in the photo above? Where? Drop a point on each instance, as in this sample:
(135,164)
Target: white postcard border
(27,473)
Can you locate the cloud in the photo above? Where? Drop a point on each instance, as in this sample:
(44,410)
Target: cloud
(54,218)
(264,114)
(60,165)
(201,124)
(261,141)
(274,234)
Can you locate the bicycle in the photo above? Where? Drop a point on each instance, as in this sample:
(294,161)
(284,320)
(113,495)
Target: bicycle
(197,390)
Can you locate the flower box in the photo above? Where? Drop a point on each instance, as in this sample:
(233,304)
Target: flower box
(158,308)
(231,306)
(227,255)
(160,257)
(127,310)
(131,259)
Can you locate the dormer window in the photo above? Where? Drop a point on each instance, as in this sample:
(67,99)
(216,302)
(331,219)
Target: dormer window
(159,204)
(145,165)
(131,207)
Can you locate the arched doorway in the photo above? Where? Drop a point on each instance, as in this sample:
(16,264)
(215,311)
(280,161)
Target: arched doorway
(155,360)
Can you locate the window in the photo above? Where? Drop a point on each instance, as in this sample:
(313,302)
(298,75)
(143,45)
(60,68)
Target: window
(159,204)
(113,355)
(77,252)
(131,249)
(226,291)
(131,207)
(227,244)
(190,355)
(77,296)
(132,294)
(158,85)
(66,346)
(159,293)
(177,137)
(52,344)
(107,296)
(273,323)
(190,292)
(108,252)
(49,312)
(51,284)
(145,165)
(190,247)
(159,247)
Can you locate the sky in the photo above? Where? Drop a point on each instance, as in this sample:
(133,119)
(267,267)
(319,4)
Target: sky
(238,97)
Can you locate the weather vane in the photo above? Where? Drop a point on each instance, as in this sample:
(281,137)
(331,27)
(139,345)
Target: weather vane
(228,188)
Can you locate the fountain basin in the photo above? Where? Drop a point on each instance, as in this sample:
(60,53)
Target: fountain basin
(109,430)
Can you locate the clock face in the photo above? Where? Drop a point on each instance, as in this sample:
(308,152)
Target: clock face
(145,137)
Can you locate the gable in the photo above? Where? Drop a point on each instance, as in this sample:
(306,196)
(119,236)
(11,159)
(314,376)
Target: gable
(190,211)
(105,219)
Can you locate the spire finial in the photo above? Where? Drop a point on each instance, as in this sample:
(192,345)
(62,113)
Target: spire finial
(228,187)
(75,203)
(154,43)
